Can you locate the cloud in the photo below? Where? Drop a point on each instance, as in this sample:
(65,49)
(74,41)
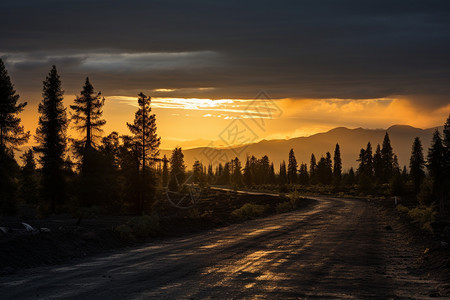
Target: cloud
(297,49)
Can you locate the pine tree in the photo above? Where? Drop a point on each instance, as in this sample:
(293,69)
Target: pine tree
(197,172)
(28,180)
(12,134)
(387,157)
(312,170)
(292,168)
(165,172)
(329,168)
(283,173)
(226,173)
(337,168)
(351,177)
(436,157)
(272,177)
(88,113)
(248,176)
(129,161)
(435,165)
(103,182)
(368,160)
(303,174)
(362,162)
(236,172)
(264,169)
(446,144)
(395,166)
(177,169)
(51,137)
(378,164)
(87,118)
(417,165)
(147,143)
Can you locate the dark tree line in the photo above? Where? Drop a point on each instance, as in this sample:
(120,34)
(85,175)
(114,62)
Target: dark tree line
(115,173)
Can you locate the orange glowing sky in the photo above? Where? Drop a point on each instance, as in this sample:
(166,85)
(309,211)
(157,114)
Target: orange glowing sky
(194,122)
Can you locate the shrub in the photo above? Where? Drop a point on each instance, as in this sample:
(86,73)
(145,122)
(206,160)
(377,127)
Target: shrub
(402,208)
(139,227)
(250,211)
(423,216)
(125,232)
(295,199)
(426,195)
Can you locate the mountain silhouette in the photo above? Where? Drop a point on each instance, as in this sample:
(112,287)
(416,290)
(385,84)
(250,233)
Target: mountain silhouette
(350,141)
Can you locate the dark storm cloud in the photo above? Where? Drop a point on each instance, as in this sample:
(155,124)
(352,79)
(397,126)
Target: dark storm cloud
(318,49)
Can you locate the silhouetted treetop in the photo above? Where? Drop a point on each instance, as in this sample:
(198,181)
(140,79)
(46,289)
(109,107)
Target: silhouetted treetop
(87,114)
(12,134)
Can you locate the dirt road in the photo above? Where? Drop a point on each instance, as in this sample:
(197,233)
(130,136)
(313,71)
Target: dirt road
(336,249)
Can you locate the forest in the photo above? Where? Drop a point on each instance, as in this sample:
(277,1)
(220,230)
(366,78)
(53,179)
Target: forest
(123,173)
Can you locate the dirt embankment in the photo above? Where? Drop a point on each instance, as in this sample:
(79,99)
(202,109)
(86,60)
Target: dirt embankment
(434,258)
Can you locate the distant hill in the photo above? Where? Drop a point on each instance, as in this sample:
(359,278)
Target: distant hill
(350,141)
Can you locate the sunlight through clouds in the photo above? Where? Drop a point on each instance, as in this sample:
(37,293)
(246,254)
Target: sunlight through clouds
(238,108)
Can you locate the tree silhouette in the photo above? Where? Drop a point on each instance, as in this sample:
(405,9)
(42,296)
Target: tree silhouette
(197,170)
(12,134)
(313,170)
(337,167)
(378,164)
(283,173)
(129,161)
(177,169)
(417,165)
(224,178)
(51,137)
(147,144)
(236,172)
(263,170)
(292,168)
(303,174)
(387,157)
(446,144)
(28,180)
(165,172)
(88,113)
(365,168)
(435,165)
(248,173)
(324,169)
(272,176)
(351,177)
(87,118)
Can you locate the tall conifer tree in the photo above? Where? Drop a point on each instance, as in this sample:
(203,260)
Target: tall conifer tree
(51,137)
(12,134)
(417,164)
(147,144)
(292,168)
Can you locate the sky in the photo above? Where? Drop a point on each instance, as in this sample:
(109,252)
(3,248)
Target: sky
(285,68)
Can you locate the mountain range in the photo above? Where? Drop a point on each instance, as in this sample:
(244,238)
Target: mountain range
(350,141)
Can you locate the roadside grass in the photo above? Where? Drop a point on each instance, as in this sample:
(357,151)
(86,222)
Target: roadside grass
(294,202)
(423,216)
(250,211)
(139,227)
